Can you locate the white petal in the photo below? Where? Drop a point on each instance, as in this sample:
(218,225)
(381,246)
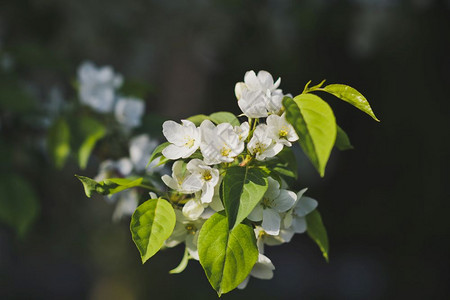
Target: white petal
(173,151)
(173,132)
(263,268)
(244,283)
(265,79)
(170,182)
(238,88)
(193,209)
(273,189)
(284,201)
(207,193)
(304,206)
(256,214)
(191,244)
(191,184)
(251,80)
(299,224)
(271,221)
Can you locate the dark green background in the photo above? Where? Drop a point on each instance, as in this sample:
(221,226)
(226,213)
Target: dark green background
(385,204)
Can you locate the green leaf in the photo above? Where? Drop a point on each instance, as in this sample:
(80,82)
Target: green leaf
(224,117)
(90,185)
(115,185)
(151,224)
(314,122)
(342,140)
(157,152)
(108,186)
(350,95)
(19,205)
(183,264)
(287,164)
(92,131)
(198,119)
(316,230)
(241,190)
(58,142)
(226,256)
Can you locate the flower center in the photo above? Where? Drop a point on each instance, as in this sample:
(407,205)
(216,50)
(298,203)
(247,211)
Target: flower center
(190,142)
(259,148)
(283,132)
(266,203)
(207,176)
(191,228)
(225,151)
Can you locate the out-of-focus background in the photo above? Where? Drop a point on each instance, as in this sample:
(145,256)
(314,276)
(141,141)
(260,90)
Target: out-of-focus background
(385,203)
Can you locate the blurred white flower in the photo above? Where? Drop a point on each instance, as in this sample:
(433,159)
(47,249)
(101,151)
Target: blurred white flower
(98,86)
(262,145)
(258,95)
(129,111)
(186,230)
(141,148)
(295,217)
(274,202)
(127,202)
(280,130)
(185,139)
(110,169)
(219,143)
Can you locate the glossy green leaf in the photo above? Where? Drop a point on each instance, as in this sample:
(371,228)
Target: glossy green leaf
(352,96)
(58,142)
(183,264)
(115,185)
(108,186)
(151,224)
(342,140)
(19,205)
(316,230)
(226,256)
(241,190)
(198,119)
(157,152)
(314,122)
(92,131)
(224,117)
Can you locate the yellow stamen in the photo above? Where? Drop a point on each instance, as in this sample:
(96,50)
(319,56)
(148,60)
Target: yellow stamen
(225,151)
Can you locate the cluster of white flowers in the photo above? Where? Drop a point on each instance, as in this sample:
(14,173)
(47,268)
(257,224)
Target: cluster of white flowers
(140,148)
(202,152)
(98,89)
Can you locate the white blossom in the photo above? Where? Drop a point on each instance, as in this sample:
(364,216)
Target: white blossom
(186,230)
(219,143)
(280,130)
(110,169)
(204,176)
(98,86)
(141,148)
(185,139)
(258,95)
(179,175)
(295,217)
(129,111)
(274,202)
(127,202)
(262,145)
(194,208)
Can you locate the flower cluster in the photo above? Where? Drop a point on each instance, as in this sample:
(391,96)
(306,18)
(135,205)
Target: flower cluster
(202,154)
(98,88)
